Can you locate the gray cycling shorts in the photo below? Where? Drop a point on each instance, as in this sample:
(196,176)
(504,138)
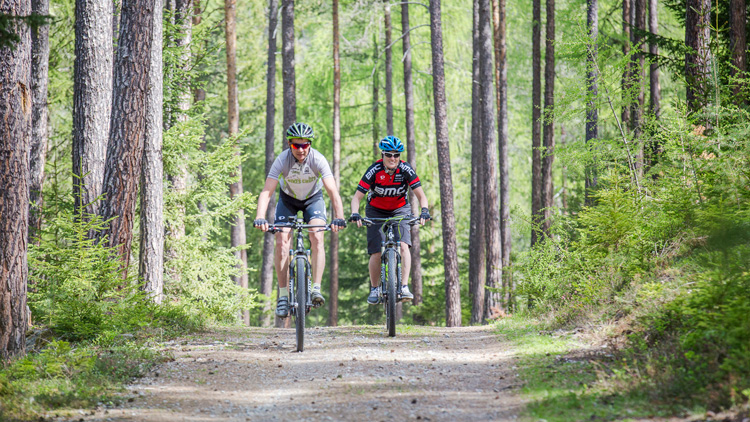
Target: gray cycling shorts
(313,207)
(375,238)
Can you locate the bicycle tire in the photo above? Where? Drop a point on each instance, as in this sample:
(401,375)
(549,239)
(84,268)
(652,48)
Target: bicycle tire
(390,301)
(301,293)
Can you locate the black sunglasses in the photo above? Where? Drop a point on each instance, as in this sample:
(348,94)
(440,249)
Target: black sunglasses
(392,155)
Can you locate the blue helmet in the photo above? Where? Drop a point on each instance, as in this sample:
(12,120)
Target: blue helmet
(391,143)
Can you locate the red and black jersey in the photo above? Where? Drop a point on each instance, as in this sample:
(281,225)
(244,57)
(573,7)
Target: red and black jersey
(385,191)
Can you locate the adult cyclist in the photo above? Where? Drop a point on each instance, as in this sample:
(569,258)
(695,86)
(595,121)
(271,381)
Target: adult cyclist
(386,184)
(302,172)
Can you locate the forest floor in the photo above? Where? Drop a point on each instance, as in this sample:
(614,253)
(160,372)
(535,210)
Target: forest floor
(345,373)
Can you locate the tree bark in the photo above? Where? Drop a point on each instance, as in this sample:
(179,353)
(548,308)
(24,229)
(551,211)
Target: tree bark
(266,271)
(375,99)
(411,154)
(626,74)
(536,122)
(288,79)
(151,257)
(738,40)
(287,28)
(477,226)
(92,99)
(501,72)
(40,119)
(549,125)
(450,255)
(655,89)
(639,78)
(388,70)
(237,234)
(489,146)
(128,125)
(697,37)
(592,86)
(333,300)
(15,133)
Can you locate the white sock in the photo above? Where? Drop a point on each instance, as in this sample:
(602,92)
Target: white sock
(316,287)
(283,291)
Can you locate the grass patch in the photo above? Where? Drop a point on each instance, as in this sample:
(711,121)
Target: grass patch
(567,380)
(62,376)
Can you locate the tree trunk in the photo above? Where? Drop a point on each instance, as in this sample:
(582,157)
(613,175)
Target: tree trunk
(411,155)
(92,99)
(40,119)
(287,29)
(288,78)
(536,122)
(655,89)
(488,97)
(697,69)
(477,226)
(737,40)
(238,237)
(501,73)
(592,86)
(266,270)
(128,125)
(626,75)
(15,133)
(333,299)
(450,255)
(375,99)
(388,70)
(179,114)
(639,78)
(151,257)
(549,126)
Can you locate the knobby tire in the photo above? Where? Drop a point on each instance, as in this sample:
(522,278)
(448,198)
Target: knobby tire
(390,303)
(301,293)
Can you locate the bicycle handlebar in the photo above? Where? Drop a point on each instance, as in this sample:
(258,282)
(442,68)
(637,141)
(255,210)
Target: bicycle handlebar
(411,220)
(278,226)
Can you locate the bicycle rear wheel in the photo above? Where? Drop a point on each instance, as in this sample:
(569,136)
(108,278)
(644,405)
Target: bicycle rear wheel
(301,298)
(390,300)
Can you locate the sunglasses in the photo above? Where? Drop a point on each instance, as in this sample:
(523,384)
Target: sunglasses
(300,146)
(391,155)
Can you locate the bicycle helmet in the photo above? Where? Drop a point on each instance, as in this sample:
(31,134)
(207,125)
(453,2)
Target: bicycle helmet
(391,143)
(300,130)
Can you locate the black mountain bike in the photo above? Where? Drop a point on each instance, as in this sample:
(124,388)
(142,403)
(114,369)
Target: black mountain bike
(300,273)
(390,266)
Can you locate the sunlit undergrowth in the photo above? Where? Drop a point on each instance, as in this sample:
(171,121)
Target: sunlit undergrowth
(661,260)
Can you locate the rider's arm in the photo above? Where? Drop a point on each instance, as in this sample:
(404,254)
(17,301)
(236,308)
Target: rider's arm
(338,206)
(358,195)
(421,197)
(265,197)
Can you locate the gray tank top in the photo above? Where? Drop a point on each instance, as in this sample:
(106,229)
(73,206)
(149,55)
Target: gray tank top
(300,180)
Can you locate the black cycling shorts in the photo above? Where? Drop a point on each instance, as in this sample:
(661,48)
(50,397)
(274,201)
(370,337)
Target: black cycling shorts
(312,207)
(375,238)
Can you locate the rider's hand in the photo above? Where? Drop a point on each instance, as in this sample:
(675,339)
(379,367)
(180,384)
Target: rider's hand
(355,217)
(424,216)
(261,223)
(338,224)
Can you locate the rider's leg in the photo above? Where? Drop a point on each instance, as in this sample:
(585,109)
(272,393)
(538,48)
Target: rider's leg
(318,253)
(405,263)
(374,267)
(281,257)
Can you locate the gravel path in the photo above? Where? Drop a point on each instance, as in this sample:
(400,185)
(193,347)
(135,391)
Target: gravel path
(344,374)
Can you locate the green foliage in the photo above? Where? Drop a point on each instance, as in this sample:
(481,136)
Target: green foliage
(63,375)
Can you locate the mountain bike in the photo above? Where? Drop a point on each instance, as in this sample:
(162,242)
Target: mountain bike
(390,266)
(300,275)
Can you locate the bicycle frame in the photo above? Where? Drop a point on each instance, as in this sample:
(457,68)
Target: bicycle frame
(300,300)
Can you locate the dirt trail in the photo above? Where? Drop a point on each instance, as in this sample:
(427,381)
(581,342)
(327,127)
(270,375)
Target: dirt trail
(345,373)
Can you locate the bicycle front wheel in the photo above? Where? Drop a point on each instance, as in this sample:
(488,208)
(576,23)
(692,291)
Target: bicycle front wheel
(301,293)
(390,300)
